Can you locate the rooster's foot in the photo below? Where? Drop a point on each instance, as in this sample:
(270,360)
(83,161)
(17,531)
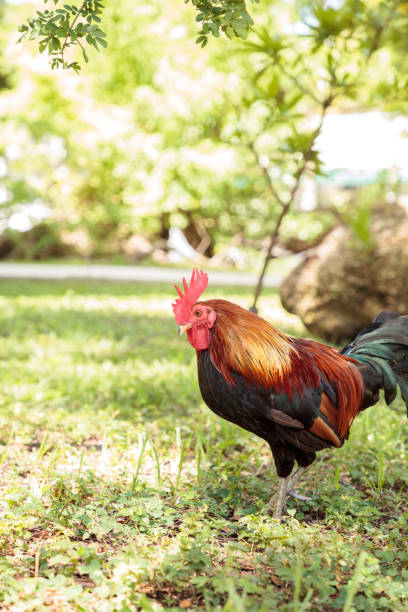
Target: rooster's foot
(277,504)
(298,495)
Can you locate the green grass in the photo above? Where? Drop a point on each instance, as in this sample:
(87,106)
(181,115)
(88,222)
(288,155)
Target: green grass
(120,490)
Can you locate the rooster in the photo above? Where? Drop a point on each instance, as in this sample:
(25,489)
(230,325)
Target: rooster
(299,395)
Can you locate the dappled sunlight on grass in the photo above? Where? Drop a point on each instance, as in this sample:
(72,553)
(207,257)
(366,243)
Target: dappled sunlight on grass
(121,490)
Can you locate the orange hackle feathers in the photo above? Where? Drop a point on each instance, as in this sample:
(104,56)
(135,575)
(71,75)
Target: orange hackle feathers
(182,306)
(245,343)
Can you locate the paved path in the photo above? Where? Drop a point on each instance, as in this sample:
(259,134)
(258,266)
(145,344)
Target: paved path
(124,273)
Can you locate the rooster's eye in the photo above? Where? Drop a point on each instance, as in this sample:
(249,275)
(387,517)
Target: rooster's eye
(198,313)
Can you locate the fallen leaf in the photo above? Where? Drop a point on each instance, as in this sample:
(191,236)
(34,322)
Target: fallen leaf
(185,603)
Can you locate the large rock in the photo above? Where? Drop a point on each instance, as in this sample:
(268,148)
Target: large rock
(342,284)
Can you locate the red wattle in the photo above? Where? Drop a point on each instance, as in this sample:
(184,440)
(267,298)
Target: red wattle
(199,337)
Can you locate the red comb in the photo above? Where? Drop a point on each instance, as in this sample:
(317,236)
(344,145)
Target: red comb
(182,306)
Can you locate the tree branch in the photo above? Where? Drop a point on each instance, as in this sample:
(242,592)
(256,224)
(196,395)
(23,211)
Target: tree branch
(286,206)
(251,146)
(71,27)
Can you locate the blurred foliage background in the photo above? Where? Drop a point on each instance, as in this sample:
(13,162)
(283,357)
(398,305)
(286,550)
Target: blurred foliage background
(222,133)
(156,134)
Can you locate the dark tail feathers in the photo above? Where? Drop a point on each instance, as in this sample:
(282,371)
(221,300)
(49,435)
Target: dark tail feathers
(383,346)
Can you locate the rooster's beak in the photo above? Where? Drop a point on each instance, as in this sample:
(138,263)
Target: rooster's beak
(184,328)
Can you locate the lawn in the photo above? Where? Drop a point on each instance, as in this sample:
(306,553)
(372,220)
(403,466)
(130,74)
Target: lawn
(121,491)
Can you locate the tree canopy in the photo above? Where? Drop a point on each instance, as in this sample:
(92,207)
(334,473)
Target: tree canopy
(60,26)
(159,133)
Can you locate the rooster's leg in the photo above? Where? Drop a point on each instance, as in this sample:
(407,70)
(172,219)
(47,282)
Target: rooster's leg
(293,481)
(277,504)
